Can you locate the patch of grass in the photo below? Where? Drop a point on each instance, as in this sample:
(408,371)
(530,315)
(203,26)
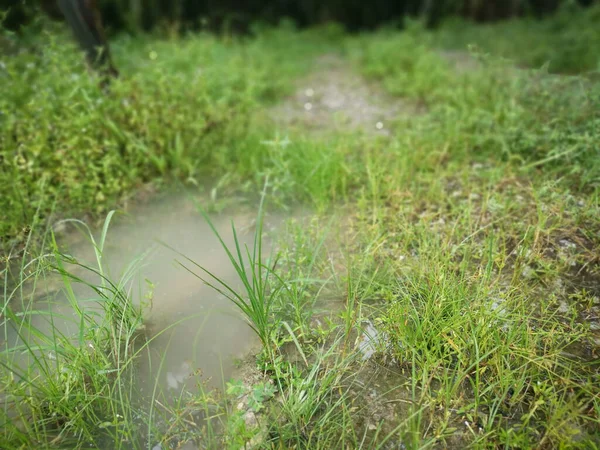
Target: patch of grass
(261,285)
(476,215)
(504,359)
(535,120)
(566,42)
(67,377)
(468,238)
(315,410)
(186,109)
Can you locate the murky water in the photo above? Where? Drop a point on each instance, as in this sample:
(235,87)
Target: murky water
(190,325)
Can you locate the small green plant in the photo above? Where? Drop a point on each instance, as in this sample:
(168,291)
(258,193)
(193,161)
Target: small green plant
(260,394)
(260,282)
(235,388)
(257,395)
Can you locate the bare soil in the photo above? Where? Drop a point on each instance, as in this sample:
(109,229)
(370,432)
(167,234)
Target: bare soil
(334,97)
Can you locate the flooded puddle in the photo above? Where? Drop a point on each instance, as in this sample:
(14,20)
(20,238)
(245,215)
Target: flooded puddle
(191,328)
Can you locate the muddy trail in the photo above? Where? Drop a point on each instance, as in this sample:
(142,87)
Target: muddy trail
(334,97)
(195,334)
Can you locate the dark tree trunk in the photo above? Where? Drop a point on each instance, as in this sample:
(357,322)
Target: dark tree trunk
(84,19)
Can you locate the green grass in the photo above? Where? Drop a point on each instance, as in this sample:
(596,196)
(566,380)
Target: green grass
(260,282)
(68,379)
(183,110)
(566,42)
(469,238)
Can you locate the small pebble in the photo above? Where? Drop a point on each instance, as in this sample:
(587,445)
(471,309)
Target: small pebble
(379,125)
(250,419)
(309,92)
(308,106)
(172,382)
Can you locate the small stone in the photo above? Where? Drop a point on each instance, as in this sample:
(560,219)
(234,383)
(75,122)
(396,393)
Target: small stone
(60,227)
(309,92)
(372,427)
(240,406)
(250,419)
(172,382)
(563,307)
(528,272)
(308,106)
(379,125)
(565,243)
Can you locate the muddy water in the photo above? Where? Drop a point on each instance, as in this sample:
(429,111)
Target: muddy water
(189,325)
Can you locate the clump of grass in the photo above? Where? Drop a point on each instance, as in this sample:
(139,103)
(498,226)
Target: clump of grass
(261,285)
(315,408)
(68,379)
(504,359)
(302,249)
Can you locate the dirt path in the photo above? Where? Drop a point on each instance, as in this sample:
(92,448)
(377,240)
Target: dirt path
(334,97)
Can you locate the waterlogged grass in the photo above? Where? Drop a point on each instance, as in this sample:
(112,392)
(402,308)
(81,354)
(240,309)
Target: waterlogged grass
(256,300)
(67,378)
(465,243)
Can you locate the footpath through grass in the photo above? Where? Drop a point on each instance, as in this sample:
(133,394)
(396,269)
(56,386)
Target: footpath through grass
(452,302)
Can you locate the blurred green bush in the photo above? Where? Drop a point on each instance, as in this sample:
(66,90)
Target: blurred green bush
(240,14)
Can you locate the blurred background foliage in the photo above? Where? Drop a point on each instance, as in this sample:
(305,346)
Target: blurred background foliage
(239,15)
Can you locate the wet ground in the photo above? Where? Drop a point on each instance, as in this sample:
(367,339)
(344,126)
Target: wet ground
(335,97)
(189,325)
(203,330)
(191,329)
